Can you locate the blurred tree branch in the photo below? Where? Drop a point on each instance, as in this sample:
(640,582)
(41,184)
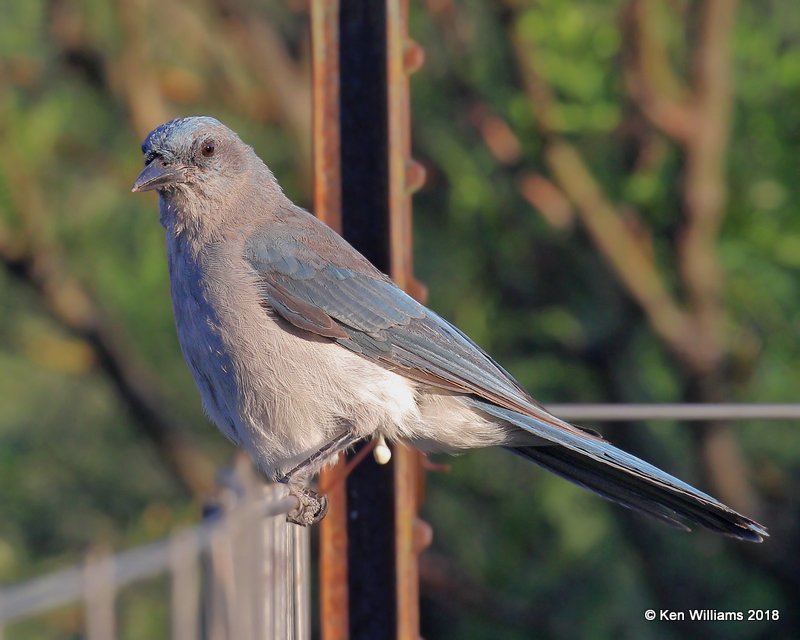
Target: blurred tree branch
(705,189)
(699,121)
(650,78)
(134,78)
(626,251)
(697,331)
(286,81)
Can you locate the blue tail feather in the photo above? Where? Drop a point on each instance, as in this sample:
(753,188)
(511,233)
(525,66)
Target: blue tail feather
(623,478)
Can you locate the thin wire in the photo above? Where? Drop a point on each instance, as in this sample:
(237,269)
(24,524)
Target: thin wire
(690,412)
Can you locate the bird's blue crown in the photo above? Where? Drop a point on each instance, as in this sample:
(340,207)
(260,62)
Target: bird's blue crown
(175,131)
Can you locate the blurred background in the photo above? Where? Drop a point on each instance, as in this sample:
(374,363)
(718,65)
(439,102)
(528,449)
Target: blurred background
(610,210)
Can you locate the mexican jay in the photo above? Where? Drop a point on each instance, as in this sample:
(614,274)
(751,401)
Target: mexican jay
(300,347)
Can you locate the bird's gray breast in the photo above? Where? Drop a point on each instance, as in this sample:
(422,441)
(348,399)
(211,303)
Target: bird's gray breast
(199,333)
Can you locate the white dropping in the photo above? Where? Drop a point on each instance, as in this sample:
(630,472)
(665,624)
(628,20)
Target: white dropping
(382,453)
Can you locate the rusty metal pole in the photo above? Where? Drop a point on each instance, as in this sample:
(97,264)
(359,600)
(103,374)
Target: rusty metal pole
(364,177)
(406,176)
(334,618)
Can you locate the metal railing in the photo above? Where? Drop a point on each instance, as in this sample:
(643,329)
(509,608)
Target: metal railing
(241,574)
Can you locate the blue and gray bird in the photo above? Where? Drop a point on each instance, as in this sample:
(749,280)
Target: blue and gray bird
(300,347)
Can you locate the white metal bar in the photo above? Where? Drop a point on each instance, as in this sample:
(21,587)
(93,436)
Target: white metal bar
(302,582)
(699,412)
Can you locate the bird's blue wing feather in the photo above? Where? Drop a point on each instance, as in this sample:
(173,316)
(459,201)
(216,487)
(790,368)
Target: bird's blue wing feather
(346,299)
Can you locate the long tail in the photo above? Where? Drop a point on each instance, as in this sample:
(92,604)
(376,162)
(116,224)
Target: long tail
(618,476)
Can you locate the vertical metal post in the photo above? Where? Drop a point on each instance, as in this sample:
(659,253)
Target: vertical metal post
(184,562)
(334,618)
(258,566)
(364,148)
(100,593)
(285,576)
(412,535)
(363,181)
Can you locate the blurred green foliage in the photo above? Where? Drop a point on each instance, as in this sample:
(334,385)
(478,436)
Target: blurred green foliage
(526,554)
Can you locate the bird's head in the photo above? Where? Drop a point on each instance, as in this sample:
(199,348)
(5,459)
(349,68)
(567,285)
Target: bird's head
(191,154)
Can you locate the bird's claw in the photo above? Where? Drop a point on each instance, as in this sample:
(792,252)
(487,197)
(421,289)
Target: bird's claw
(311,507)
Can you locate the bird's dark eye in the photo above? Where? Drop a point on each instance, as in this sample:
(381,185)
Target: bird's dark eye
(208,148)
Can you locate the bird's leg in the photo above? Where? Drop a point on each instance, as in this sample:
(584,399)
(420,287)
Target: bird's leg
(339,443)
(312,507)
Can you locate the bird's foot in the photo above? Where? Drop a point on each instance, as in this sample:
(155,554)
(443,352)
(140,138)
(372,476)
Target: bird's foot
(311,507)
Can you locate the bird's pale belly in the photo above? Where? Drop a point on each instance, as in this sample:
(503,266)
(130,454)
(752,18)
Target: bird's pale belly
(296,394)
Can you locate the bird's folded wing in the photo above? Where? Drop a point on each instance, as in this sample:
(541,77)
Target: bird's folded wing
(339,295)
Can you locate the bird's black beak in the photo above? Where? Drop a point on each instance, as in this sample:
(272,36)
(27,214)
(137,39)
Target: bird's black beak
(156,175)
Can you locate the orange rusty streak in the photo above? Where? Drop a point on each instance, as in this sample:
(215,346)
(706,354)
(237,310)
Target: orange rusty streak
(405,176)
(325,119)
(334,617)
